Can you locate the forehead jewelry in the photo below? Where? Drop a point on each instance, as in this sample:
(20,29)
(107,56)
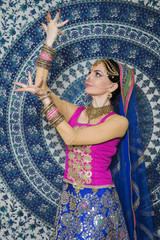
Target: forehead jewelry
(110,68)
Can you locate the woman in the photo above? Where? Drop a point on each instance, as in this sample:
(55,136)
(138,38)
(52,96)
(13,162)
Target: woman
(89,206)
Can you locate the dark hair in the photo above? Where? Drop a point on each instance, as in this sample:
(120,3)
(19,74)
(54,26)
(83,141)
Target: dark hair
(115,79)
(113,72)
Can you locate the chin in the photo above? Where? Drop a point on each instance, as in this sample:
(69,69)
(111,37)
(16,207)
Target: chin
(92,92)
(87,91)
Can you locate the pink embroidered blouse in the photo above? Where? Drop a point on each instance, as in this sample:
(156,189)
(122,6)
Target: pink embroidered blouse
(88,165)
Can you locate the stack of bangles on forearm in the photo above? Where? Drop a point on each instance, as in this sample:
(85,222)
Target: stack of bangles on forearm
(52,113)
(46,56)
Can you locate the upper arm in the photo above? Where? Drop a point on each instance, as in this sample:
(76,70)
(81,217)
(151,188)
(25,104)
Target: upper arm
(110,129)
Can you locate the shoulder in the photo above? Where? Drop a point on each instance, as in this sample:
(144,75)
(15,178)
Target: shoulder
(118,120)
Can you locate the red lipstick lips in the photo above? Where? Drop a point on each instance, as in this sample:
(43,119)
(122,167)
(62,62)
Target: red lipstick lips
(88,85)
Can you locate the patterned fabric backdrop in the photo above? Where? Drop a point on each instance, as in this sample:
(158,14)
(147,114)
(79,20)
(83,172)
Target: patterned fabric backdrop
(32,154)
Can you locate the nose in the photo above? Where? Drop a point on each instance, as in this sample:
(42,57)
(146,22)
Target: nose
(88,77)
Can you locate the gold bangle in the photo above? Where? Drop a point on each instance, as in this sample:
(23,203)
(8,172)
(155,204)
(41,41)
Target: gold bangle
(52,54)
(47,52)
(61,119)
(43,63)
(49,48)
(55,118)
(44,67)
(47,107)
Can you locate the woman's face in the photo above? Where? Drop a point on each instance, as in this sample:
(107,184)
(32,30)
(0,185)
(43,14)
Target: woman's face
(97,82)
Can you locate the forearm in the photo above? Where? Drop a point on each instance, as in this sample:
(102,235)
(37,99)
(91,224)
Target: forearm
(65,108)
(42,73)
(43,66)
(43,63)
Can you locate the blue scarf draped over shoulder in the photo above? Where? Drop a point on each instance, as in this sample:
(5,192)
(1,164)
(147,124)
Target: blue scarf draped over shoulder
(128,165)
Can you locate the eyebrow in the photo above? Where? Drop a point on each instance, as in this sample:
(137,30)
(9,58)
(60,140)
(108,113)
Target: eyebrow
(96,70)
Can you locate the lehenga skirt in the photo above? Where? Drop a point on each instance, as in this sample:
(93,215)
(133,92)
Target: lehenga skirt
(92,214)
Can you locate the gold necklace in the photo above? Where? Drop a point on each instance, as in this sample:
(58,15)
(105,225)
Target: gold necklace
(93,113)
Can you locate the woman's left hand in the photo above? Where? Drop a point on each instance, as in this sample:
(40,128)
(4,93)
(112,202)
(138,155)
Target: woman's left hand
(52,27)
(34,89)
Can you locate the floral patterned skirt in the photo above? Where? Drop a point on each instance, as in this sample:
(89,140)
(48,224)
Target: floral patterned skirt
(90,214)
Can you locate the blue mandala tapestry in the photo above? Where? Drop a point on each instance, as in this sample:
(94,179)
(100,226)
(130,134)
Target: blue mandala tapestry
(32,154)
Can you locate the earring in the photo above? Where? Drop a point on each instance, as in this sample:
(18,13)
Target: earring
(109,94)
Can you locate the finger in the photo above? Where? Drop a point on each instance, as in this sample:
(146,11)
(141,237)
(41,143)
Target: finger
(25,90)
(49,15)
(30,78)
(57,16)
(61,32)
(21,90)
(20,84)
(44,26)
(61,24)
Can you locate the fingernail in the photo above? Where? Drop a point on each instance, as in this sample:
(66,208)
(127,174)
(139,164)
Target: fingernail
(58,10)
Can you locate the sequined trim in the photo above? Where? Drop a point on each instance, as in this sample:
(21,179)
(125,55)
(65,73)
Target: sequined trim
(92,186)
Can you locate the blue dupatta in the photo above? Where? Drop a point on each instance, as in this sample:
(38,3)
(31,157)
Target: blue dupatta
(128,167)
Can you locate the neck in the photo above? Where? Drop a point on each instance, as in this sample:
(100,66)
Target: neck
(100,101)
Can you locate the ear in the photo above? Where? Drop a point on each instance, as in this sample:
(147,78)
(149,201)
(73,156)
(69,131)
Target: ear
(113,87)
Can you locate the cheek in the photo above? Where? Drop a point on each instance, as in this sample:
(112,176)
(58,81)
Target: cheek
(101,84)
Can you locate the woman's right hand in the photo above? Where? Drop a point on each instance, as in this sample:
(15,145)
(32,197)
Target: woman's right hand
(52,28)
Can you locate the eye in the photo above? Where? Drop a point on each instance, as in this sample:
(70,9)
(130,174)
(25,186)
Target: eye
(98,74)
